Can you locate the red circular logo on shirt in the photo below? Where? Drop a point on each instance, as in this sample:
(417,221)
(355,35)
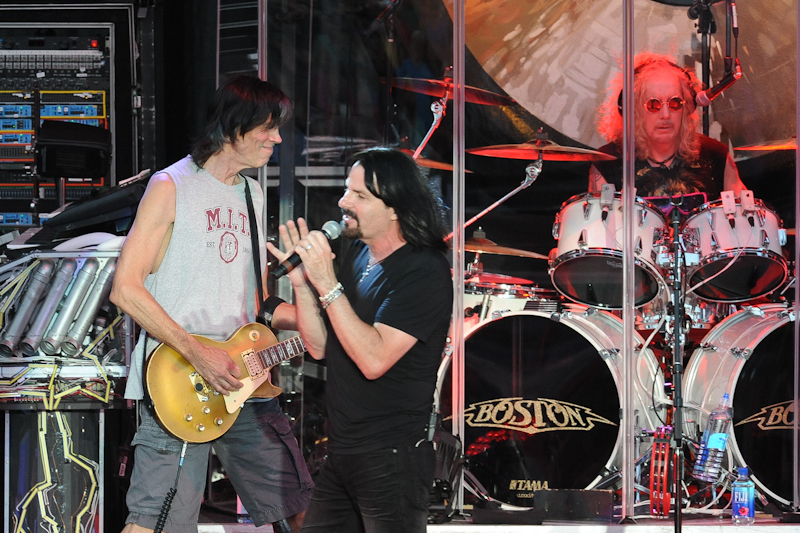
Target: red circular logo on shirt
(228,247)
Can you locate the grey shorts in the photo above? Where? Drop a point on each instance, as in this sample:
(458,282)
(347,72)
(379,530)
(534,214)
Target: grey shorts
(259,454)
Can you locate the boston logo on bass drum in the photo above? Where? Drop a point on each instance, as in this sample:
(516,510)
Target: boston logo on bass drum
(542,399)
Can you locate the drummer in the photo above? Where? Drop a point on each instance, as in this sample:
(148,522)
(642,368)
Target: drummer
(672,158)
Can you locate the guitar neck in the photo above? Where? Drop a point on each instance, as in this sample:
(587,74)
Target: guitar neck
(281,351)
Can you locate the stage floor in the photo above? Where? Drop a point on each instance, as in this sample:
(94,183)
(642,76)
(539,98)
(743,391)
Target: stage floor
(458,525)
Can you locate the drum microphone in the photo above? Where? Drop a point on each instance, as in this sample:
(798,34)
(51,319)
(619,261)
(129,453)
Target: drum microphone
(704,98)
(330,229)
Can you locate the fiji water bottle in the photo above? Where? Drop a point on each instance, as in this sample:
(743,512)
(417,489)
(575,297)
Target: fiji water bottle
(708,462)
(743,498)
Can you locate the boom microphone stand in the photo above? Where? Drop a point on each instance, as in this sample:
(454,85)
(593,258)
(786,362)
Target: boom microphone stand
(677,357)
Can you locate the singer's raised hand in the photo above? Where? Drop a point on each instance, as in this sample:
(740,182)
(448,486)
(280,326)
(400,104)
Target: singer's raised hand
(290,234)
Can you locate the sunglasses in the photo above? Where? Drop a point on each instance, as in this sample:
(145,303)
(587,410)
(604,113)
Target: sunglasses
(654,104)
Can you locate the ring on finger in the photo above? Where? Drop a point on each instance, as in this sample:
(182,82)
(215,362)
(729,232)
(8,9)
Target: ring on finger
(308,246)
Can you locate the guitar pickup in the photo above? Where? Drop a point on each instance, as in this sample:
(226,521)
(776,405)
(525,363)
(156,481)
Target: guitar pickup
(253,364)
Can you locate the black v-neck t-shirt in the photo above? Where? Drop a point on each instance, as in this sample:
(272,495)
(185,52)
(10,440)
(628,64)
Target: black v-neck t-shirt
(410,290)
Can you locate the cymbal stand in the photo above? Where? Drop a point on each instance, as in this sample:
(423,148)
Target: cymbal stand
(532,172)
(677,357)
(438,109)
(706,25)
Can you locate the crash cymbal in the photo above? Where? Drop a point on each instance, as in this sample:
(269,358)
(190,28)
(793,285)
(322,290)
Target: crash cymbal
(486,246)
(430,163)
(550,152)
(437,88)
(783,144)
(500,279)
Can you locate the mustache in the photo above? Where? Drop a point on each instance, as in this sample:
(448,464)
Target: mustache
(350,214)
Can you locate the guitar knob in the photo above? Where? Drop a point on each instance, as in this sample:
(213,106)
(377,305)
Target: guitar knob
(201,427)
(218,421)
(188,417)
(206,410)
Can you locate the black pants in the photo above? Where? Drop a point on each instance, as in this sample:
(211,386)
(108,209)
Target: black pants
(385,491)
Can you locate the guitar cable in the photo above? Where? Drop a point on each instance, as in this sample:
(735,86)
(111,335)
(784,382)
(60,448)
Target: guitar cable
(162,517)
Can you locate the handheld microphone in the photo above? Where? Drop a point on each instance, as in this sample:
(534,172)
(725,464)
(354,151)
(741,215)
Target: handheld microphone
(330,229)
(704,98)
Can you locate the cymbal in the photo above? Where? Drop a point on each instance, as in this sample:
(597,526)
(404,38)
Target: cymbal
(430,163)
(486,246)
(783,144)
(500,279)
(550,152)
(437,88)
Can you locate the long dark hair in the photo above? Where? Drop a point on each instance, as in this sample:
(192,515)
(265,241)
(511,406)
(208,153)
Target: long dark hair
(241,104)
(395,178)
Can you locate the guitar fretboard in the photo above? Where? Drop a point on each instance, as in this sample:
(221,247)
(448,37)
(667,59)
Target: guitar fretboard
(277,353)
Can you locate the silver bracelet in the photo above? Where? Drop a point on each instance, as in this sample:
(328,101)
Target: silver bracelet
(328,299)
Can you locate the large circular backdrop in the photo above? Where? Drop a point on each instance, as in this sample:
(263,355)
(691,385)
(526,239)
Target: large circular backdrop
(556,58)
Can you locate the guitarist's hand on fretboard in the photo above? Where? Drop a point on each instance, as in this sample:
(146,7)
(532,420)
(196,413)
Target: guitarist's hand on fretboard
(216,367)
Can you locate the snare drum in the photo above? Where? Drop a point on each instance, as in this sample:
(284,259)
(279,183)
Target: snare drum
(750,355)
(587,264)
(752,241)
(542,399)
(483,300)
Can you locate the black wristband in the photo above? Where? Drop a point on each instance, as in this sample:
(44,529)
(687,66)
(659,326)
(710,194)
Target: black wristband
(269,306)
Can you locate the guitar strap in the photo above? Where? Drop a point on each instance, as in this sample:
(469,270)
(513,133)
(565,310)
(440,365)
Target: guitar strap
(251,215)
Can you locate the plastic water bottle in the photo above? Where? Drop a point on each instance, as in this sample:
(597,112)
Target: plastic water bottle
(743,498)
(708,462)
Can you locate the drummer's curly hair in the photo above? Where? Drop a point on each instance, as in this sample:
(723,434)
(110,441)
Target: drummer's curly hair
(647,64)
(395,178)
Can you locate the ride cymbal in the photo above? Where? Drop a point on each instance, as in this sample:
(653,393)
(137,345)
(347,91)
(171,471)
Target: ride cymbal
(499,279)
(550,152)
(783,144)
(486,246)
(430,163)
(438,88)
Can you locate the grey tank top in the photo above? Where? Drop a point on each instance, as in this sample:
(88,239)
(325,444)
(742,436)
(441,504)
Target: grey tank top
(206,280)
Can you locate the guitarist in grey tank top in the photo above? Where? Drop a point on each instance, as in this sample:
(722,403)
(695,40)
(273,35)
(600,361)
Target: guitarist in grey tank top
(187,269)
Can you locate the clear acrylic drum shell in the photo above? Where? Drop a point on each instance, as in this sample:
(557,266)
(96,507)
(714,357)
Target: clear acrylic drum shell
(766,334)
(763,263)
(589,251)
(579,355)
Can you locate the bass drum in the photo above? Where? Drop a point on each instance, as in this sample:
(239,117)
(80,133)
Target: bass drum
(749,355)
(542,400)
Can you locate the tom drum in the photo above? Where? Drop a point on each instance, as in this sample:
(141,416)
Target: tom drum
(751,239)
(586,267)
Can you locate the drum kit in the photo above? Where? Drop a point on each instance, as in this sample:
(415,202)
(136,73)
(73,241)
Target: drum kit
(543,367)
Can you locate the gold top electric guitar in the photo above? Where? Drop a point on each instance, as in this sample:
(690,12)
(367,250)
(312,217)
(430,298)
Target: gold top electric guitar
(189,408)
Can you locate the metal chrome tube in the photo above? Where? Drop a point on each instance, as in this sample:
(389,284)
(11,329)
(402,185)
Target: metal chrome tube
(40,278)
(51,344)
(100,291)
(58,287)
